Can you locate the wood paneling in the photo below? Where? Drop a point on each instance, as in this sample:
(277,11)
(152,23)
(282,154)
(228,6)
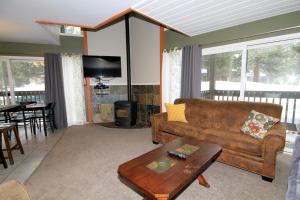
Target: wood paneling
(198,17)
(161,49)
(87,83)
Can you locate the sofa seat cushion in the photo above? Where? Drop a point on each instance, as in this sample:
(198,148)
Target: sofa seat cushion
(180,129)
(232,140)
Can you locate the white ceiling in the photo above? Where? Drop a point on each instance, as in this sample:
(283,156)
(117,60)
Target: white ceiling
(17,17)
(201,16)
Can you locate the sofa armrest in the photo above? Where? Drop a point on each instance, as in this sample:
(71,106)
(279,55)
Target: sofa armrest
(275,137)
(273,142)
(156,120)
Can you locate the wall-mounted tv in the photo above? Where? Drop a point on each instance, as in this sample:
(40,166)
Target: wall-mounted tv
(105,66)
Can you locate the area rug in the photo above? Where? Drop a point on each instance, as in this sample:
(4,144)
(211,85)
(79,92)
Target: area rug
(83,165)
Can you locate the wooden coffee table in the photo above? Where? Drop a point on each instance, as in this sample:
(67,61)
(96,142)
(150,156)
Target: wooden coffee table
(156,175)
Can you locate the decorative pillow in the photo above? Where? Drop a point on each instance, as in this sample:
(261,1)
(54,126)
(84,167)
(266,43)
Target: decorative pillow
(258,124)
(176,112)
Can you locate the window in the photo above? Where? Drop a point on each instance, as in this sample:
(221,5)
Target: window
(28,75)
(226,72)
(275,67)
(205,75)
(22,79)
(71,30)
(263,70)
(3,76)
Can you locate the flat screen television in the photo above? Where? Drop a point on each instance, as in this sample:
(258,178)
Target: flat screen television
(105,66)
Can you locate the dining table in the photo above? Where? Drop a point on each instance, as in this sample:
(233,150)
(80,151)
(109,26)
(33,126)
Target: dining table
(6,109)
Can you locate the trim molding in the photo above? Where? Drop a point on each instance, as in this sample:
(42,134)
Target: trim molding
(111,20)
(161,49)
(62,23)
(87,83)
(85,43)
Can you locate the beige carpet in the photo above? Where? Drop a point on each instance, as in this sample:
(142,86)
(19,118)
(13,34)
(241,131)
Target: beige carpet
(83,165)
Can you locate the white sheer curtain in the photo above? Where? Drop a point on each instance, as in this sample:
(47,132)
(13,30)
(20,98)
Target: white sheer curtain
(171,76)
(74,89)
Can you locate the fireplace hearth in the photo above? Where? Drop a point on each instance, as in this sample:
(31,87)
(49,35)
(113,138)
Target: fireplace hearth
(125,113)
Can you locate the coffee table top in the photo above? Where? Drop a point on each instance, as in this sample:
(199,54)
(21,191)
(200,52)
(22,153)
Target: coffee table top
(137,173)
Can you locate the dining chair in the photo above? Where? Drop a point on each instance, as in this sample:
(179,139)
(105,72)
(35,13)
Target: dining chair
(22,118)
(2,117)
(49,115)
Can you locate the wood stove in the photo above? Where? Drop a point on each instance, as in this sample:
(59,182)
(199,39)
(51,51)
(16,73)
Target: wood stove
(125,113)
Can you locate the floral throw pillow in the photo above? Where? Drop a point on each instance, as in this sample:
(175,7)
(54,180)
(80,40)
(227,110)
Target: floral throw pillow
(258,124)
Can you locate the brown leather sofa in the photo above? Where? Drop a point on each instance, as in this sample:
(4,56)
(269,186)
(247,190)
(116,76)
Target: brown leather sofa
(220,122)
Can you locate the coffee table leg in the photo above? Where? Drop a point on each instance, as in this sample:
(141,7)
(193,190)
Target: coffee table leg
(159,197)
(203,182)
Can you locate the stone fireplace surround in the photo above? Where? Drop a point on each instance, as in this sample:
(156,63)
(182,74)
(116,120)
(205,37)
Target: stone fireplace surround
(147,97)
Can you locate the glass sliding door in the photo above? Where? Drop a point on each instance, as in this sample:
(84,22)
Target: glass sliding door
(274,68)
(22,79)
(7,91)
(4,93)
(273,75)
(222,73)
(28,75)
(263,70)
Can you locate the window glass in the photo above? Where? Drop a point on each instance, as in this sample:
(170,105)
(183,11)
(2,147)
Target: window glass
(274,68)
(71,30)
(28,75)
(226,69)
(205,73)
(3,82)
(3,76)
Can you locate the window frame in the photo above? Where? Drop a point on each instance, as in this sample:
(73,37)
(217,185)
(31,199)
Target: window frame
(8,60)
(248,45)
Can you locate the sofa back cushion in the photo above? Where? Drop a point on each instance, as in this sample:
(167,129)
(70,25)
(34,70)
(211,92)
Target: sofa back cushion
(229,115)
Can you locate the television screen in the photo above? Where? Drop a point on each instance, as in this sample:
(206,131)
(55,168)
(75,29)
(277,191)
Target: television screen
(106,66)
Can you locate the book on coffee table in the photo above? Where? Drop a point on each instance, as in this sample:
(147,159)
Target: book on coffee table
(187,149)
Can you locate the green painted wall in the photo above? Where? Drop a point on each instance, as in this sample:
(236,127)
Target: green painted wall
(68,45)
(244,32)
